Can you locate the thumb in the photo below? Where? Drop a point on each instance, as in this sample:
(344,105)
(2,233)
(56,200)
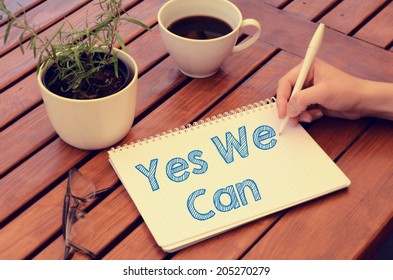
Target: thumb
(304,98)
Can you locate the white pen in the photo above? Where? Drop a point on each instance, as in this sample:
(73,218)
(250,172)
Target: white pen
(308,59)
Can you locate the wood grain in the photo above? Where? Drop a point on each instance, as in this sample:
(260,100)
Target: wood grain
(310,9)
(108,214)
(35,175)
(17,7)
(41,17)
(18,99)
(23,138)
(139,244)
(349,14)
(379,30)
(276,3)
(295,34)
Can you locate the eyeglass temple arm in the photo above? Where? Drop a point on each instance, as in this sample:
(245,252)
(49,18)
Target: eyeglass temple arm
(78,249)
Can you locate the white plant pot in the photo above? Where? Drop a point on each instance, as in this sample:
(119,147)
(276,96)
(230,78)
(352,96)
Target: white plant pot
(96,123)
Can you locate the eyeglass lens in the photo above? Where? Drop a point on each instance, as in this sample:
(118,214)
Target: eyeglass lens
(81,186)
(79,227)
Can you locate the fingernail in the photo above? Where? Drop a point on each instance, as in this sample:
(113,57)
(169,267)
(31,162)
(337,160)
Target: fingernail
(304,118)
(318,115)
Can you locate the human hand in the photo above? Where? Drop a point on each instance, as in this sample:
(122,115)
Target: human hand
(327,91)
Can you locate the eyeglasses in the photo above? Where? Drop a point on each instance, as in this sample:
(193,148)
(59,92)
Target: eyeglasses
(77,226)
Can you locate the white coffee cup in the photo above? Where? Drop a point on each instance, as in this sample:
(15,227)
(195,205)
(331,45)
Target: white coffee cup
(202,58)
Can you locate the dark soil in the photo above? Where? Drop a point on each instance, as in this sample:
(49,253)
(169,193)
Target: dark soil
(104,83)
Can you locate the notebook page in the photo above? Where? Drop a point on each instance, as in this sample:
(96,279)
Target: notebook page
(192,184)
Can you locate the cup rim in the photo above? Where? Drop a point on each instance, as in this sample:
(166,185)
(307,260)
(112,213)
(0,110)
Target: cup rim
(234,29)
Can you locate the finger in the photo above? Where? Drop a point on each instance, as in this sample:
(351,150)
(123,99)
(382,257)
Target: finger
(310,115)
(305,98)
(294,121)
(284,89)
(305,117)
(283,92)
(315,113)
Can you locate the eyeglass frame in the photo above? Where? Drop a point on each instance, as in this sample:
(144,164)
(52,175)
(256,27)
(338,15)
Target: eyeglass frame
(69,246)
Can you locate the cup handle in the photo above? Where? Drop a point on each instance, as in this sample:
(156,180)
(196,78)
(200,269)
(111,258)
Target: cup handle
(253,39)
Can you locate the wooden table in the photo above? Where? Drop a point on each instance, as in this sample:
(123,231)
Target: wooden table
(34,161)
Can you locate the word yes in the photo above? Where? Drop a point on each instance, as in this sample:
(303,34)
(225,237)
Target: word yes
(173,167)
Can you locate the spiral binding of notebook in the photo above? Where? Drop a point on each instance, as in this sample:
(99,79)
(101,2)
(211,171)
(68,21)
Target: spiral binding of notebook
(263,104)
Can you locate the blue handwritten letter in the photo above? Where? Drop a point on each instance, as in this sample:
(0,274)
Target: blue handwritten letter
(191,206)
(193,158)
(233,203)
(150,174)
(177,165)
(262,133)
(226,151)
(252,186)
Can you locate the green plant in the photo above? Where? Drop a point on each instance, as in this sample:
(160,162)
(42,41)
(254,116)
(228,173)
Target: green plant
(77,55)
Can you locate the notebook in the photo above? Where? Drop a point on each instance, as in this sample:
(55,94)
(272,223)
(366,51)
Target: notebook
(200,180)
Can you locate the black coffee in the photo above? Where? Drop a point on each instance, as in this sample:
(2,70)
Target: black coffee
(200,27)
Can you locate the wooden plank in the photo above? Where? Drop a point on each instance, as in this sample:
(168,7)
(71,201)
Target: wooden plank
(309,9)
(349,220)
(16,7)
(40,17)
(36,174)
(379,30)
(139,242)
(108,214)
(349,14)
(55,250)
(33,227)
(20,65)
(276,3)
(18,99)
(42,220)
(295,34)
(24,137)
